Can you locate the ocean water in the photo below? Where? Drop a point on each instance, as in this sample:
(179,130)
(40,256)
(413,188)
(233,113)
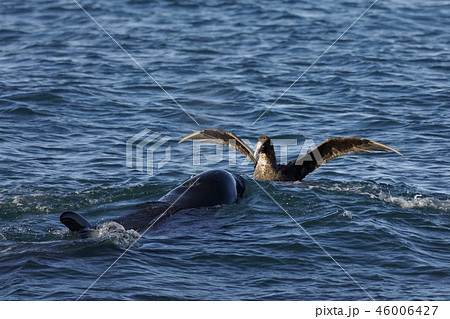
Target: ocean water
(70,98)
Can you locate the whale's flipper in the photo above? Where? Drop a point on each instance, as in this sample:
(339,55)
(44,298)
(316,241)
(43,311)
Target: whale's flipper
(74,221)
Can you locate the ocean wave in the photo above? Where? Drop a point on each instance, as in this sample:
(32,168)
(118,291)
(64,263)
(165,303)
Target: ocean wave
(24,200)
(396,195)
(418,201)
(23,111)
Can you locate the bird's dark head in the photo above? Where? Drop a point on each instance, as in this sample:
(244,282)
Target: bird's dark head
(263,145)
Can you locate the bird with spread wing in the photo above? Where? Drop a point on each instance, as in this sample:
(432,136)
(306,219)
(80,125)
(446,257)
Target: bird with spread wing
(266,167)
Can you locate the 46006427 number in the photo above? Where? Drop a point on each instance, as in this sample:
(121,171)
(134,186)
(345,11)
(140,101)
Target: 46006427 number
(403,310)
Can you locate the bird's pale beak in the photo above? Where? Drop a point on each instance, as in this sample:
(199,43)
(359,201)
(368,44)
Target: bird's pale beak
(259,145)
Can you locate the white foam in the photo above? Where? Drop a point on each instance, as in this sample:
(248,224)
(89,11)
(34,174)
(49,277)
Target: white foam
(347,214)
(419,201)
(405,201)
(115,233)
(16,200)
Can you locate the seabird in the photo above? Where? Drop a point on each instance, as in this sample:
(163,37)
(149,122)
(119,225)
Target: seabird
(266,167)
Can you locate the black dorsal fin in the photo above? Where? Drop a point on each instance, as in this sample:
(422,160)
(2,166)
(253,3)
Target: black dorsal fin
(74,221)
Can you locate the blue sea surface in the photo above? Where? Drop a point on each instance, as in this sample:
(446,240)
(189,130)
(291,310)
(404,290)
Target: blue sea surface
(373,226)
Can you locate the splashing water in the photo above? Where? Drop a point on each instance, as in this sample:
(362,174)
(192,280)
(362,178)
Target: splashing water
(115,233)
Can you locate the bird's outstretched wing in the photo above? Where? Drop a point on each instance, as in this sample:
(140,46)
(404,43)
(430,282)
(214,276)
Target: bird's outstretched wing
(222,137)
(332,148)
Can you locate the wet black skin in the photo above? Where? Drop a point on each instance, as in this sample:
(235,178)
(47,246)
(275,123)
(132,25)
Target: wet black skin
(211,188)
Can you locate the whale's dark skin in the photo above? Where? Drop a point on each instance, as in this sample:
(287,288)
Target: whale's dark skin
(211,188)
